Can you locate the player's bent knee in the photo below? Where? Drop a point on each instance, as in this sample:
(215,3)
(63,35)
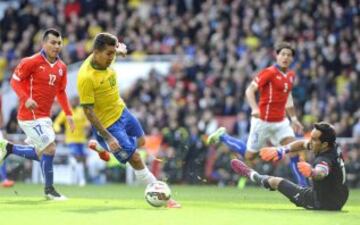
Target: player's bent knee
(274,182)
(141,142)
(136,157)
(136,161)
(50,149)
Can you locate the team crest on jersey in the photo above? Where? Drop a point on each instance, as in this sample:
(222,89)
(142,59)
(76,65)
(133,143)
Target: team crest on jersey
(60,72)
(278,77)
(291,80)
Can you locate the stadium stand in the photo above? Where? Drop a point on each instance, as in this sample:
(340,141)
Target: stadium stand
(219,46)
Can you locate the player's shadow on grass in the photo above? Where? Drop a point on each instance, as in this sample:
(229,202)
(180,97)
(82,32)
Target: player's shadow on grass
(106,209)
(296,210)
(98,209)
(24,202)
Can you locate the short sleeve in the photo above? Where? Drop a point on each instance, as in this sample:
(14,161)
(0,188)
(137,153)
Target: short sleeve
(322,160)
(262,78)
(86,91)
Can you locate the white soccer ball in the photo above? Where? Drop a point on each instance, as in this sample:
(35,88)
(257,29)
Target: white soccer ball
(157,194)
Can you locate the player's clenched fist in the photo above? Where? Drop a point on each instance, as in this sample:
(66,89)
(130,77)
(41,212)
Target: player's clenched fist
(31,103)
(121,49)
(113,144)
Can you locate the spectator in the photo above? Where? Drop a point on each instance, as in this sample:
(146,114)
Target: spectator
(220,46)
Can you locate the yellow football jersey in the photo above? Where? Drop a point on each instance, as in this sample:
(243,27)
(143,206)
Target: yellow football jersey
(100,88)
(81,126)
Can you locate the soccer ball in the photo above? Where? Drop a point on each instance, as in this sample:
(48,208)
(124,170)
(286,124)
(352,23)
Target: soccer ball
(157,194)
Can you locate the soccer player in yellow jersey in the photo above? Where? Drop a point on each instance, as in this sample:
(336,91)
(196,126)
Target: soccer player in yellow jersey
(76,140)
(116,129)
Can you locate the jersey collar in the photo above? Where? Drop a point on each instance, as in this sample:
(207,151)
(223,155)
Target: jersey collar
(279,69)
(93,65)
(43,54)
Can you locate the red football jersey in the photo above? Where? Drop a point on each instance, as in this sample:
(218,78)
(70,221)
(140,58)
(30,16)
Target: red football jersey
(37,78)
(274,87)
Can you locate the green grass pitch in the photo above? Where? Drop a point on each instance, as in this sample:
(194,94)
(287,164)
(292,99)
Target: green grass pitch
(124,205)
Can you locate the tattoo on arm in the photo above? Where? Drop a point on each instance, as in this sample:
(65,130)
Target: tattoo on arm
(90,114)
(307,145)
(297,146)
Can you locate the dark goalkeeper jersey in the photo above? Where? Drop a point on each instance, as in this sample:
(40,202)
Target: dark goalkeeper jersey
(331,192)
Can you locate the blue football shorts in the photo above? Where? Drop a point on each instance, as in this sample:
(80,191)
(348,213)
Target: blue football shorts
(77,149)
(127,129)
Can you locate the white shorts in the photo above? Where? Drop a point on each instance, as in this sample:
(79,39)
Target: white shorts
(262,131)
(39,132)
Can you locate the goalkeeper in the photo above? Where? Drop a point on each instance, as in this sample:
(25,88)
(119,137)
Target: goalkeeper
(327,172)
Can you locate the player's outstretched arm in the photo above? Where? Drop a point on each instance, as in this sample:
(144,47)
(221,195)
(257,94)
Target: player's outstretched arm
(278,153)
(112,142)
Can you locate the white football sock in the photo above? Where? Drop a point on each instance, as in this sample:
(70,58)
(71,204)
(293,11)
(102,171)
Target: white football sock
(72,163)
(80,173)
(145,176)
(252,174)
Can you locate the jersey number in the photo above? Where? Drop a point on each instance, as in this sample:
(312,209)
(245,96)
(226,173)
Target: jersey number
(342,164)
(52,79)
(38,129)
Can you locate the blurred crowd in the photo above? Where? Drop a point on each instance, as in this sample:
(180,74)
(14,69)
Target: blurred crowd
(219,46)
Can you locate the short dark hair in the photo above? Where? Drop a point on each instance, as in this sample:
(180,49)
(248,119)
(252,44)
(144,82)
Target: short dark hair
(52,31)
(103,39)
(328,133)
(283,45)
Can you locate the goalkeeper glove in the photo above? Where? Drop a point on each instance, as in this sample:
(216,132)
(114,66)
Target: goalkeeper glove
(305,168)
(273,154)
